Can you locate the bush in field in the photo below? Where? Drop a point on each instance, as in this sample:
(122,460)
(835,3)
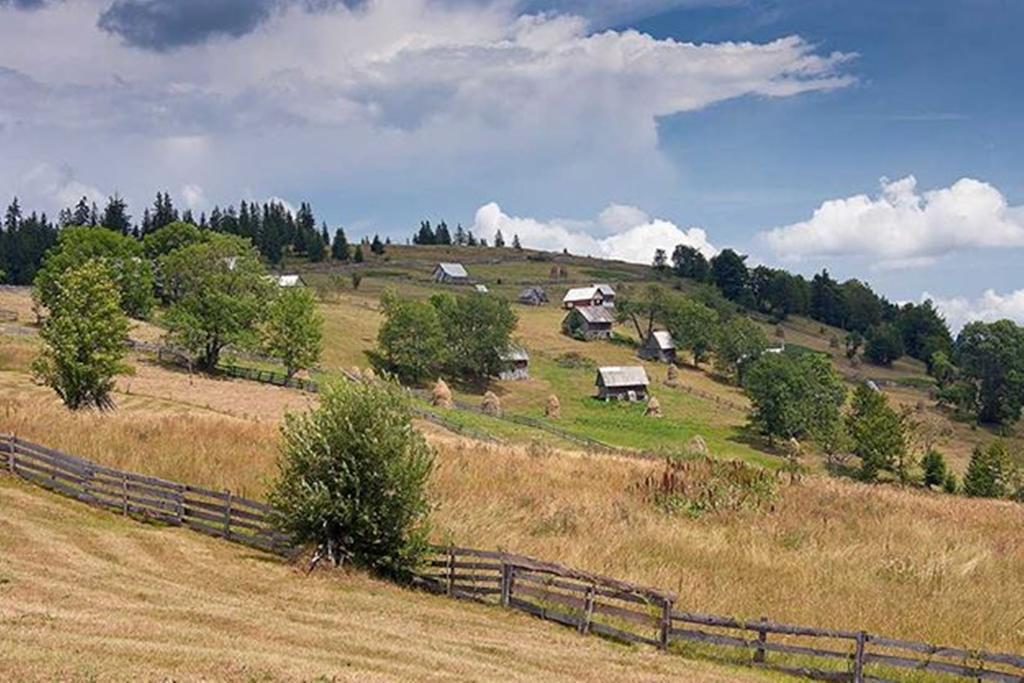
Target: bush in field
(83,339)
(934,466)
(353,478)
(696,485)
(294,330)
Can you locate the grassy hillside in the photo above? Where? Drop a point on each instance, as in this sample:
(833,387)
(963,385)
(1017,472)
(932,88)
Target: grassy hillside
(86,596)
(828,552)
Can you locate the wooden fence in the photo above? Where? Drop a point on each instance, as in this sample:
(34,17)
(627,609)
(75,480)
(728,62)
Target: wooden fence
(627,612)
(216,513)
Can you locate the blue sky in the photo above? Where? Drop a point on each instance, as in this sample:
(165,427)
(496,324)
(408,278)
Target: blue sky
(607,127)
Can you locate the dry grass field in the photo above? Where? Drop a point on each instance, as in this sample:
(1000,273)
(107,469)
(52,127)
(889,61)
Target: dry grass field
(88,596)
(831,552)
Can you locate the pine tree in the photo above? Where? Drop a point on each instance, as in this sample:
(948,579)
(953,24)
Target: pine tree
(115,215)
(359,254)
(340,248)
(516,244)
(81,213)
(499,239)
(460,235)
(988,472)
(377,247)
(441,235)
(12,218)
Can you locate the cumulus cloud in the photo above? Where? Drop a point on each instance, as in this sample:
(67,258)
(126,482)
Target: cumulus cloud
(631,235)
(989,307)
(904,227)
(194,196)
(59,186)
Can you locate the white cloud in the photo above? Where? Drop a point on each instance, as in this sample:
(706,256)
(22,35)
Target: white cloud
(989,307)
(194,196)
(634,236)
(58,186)
(903,227)
(403,91)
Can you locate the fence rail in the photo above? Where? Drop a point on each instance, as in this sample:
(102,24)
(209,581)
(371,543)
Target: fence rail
(215,513)
(616,609)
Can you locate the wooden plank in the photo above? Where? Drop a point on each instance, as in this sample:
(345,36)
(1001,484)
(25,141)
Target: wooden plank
(46,469)
(544,613)
(733,641)
(530,564)
(582,586)
(465,565)
(47,482)
(469,578)
(952,652)
(193,513)
(942,667)
(493,554)
(151,491)
(768,626)
(23,445)
(204,528)
(612,632)
(67,465)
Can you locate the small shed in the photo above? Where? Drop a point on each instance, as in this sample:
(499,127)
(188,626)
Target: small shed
(607,295)
(290,281)
(659,346)
(627,383)
(515,364)
(588,323)
(533,296)
(450,273)
(482,289)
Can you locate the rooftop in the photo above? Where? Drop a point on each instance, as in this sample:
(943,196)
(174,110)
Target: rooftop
(622,376)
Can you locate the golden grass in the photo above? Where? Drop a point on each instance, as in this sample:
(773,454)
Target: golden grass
(86,596)
(832,553)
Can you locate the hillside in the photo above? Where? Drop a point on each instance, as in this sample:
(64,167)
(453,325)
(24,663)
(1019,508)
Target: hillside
(85,596)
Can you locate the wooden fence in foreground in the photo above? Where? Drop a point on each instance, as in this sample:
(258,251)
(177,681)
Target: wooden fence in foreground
(587,602)
(627,612)
(216,513)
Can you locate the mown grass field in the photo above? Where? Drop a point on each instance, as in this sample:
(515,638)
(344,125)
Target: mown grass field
(86,595)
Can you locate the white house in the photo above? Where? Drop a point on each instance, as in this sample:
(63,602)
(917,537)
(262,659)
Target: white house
(594,295)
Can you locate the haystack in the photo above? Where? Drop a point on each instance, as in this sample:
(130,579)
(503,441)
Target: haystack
(491,404)
(672,376)
(553,409)
(653,408)
(697,446)
(441,395)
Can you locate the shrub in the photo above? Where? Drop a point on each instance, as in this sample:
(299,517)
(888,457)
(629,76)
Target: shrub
(988,472)
(697,485)
(934,466)
(353,478)
(884,344)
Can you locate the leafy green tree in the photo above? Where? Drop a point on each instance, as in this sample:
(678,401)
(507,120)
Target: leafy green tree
(991,361)
(884,345)
(478,328)
(924,330)
(942,369)
(83,338)
(988,472)
(693,326)
(172,236)
(222,291)
(353,479)
(294,330)
(410,342)
(690,263)
(730,275)
(934,466)
(794,398)
(75,246)
(359,258)
(861,305)
(854,340)
(643,309)
(827,304)
(660,262)
(877,432)
(740,342)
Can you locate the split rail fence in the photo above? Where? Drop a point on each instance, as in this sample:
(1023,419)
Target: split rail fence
(587,602)
(627,612)
(216,513)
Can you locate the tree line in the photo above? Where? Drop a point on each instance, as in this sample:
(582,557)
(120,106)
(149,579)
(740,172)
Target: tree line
(980,373)
(441,234)
(271,227)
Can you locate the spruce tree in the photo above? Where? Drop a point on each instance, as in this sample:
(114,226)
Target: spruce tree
(340,248)
(499,239)
(81,213)
(115,215)
(516,244)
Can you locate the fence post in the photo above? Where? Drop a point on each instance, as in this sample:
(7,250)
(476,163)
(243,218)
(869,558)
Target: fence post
(666,624)
(858,658)
(124,494)
(506,583)
(451,570)
(588,610)
(12,455)
(762,636)
(227,517)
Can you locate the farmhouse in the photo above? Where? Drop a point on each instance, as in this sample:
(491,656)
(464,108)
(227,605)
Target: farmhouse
(659,346)
(533,296)
(588,323)
(594,295)
(515,364)
(622,382)
(450,273)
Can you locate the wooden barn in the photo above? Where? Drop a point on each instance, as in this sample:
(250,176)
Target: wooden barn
(628,383)
(533,296)
(594,295)
(450,273)
(589,323)
(659,346)
(515,364)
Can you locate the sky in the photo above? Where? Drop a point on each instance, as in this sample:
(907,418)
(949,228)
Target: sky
(881,140)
